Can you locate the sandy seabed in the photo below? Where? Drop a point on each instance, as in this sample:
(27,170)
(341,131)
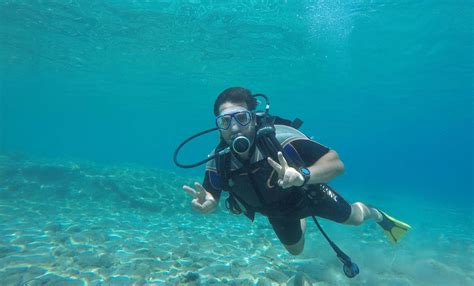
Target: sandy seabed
(65,223)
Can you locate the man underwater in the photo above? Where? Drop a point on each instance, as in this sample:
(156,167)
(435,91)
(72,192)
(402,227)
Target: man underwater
(283,179)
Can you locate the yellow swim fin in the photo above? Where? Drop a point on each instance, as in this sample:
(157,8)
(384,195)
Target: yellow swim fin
(394,229)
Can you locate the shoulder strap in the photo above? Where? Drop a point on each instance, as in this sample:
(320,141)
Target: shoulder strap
(271,146)
(222,164)
(223,167)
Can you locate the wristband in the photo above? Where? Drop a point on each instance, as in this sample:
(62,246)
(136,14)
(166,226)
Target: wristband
(306,175)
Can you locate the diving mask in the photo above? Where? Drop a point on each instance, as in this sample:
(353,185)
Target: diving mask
(243,117)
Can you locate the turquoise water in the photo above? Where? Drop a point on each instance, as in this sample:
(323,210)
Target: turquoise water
(96,95)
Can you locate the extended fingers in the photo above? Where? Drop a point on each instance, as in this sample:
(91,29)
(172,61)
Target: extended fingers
(275,166)
(282,160)
(199,202)
(199,187)
(201,191)
(190,191)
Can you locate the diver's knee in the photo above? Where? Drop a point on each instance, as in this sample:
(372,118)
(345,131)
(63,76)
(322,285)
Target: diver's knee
(357,216)
(294,250)
(297,248)
(303,225)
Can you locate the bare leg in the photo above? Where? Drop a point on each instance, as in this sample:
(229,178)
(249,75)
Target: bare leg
(361,212)
(298,247)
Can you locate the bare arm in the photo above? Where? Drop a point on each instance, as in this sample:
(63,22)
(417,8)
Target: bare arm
(326,168)
(323,170)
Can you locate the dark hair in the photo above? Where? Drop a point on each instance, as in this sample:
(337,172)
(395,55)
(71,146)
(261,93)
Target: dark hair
(235,95)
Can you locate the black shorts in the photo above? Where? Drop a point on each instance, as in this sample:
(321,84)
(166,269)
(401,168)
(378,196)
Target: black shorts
(319,200)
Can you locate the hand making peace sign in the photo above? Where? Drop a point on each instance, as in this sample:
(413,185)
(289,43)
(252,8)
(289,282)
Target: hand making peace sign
(203,201)
(287,176)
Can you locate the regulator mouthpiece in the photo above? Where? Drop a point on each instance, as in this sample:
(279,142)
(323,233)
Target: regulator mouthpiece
(240,144)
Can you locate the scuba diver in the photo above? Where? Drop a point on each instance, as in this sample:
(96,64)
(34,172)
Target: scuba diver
(267,166)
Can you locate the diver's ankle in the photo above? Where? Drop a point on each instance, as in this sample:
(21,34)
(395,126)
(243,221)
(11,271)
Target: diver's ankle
(377,215)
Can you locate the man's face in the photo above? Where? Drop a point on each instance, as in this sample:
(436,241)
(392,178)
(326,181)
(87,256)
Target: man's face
(235,128)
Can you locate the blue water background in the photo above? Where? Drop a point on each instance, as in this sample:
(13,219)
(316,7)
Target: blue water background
(387,84)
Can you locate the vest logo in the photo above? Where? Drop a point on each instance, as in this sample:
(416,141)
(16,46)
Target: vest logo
(332,195)
(328,192)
